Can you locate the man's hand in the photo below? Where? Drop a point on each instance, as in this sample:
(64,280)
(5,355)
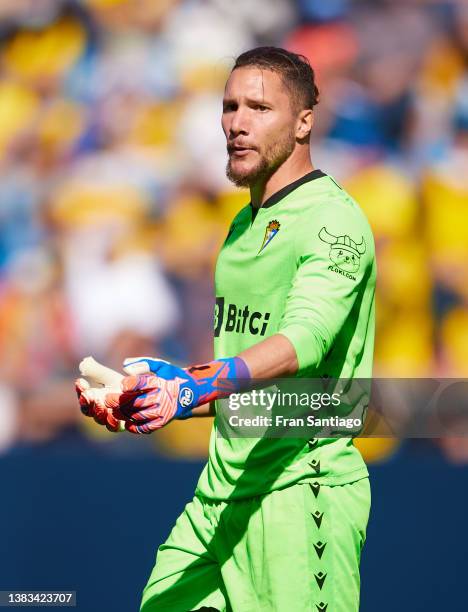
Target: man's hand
(148,402)
(156,391)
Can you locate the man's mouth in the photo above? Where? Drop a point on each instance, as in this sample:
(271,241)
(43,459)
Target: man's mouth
(239,151)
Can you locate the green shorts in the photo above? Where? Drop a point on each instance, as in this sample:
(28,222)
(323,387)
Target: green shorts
(293,550)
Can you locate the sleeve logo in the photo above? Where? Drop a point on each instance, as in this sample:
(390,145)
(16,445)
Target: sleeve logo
(345,254)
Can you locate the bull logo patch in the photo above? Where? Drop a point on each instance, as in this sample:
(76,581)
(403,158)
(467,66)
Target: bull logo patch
(344,252)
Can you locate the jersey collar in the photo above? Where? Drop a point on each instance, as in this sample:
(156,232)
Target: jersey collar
(283,192)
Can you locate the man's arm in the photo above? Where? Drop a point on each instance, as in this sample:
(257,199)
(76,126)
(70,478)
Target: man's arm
(205,410)
(272,358)
(156,391)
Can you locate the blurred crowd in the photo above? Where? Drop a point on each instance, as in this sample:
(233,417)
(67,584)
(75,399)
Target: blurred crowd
(114,200)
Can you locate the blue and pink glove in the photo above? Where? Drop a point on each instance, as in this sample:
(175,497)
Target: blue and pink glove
(156,391)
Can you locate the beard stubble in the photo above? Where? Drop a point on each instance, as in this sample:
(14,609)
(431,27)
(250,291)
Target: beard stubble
(273,158)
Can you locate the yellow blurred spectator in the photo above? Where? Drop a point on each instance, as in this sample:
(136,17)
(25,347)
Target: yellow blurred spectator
(45,55)
(78,203)
(18,109)
(447,216)
(404,274)
(104,4)
(445,193)
(192,235)
(61,123)
(404,347)
(454,341)
(442,68)
(154,124)
(184,442)
(388,198)
(229,203)
(204,77)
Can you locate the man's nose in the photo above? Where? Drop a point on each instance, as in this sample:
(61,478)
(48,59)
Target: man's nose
(239,124)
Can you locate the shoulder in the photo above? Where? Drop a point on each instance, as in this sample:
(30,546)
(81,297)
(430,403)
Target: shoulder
(331,227)
(327,212)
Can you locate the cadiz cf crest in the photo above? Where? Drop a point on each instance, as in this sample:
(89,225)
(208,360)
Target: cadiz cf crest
(270,232)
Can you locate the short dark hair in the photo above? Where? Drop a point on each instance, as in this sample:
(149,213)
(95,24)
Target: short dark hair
(295,71)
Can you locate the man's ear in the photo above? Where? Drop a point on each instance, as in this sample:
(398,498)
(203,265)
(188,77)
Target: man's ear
(305,121)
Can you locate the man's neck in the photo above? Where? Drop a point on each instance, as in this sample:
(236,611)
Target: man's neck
(290,171)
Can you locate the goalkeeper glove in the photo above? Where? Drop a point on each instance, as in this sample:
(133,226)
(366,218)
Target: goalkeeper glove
(92,407)
(156,391)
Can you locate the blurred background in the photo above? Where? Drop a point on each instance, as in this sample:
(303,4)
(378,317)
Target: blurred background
(113,204)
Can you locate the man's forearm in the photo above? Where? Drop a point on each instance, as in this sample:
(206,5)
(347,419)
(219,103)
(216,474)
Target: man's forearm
(156,391)
(271,358)
(205,410)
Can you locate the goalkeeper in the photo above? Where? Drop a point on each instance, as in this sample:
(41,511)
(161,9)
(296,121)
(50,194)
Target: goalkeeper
(275,524)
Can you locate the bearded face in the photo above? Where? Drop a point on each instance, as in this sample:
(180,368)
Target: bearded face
(259,124)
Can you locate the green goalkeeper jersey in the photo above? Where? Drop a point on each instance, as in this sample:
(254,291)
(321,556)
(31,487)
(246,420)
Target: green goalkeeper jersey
(303,265)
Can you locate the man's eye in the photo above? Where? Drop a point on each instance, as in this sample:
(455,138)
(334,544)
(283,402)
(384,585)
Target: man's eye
(261,108)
